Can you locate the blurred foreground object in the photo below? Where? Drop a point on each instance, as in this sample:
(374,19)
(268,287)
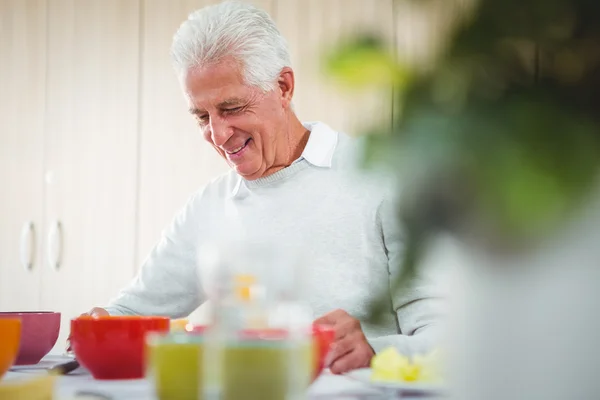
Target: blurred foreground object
(496,143)
(259,343)
(36,388)
(179,325)
(498,139)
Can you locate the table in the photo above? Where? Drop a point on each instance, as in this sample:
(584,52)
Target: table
(72,386)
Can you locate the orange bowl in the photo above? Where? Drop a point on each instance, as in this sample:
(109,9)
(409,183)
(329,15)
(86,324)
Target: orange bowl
(10,337)
(113,347)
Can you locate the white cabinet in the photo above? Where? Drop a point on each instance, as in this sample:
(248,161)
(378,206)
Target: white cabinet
(22,97)
(69,143)
(91,151)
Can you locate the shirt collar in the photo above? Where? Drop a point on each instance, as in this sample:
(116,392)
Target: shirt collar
(318,151)
(321,144)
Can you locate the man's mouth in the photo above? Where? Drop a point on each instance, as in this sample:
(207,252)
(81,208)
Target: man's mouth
(242,147)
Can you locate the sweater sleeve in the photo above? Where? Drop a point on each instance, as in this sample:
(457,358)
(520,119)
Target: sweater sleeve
(168,282)
(420,306)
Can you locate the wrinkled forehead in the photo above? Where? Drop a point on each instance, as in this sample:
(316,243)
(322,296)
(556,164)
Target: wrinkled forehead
(215,84)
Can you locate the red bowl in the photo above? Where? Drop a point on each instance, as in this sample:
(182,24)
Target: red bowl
(323,336)
(39,332)
(113,347)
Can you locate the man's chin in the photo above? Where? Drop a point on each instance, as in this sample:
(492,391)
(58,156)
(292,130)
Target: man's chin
(248,173)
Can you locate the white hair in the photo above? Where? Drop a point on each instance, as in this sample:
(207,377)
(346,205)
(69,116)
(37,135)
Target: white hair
(233,29)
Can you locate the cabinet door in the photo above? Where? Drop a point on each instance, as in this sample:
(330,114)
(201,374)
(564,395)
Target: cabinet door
(174,159)
(91,152)
(22,91)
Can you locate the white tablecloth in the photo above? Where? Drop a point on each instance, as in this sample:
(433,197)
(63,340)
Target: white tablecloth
(327,386)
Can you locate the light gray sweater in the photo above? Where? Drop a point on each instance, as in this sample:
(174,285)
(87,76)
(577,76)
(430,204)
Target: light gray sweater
(341,221)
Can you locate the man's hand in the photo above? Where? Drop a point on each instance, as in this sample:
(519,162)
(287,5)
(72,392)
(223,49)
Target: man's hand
(94,312)
(350,349)
(97,312)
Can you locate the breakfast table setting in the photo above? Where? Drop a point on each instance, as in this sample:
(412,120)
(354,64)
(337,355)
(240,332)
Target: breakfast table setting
(253,350)
(79,384)
(136,357)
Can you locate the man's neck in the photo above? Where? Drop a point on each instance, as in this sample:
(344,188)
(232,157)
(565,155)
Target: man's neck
(291,149)
(298,139)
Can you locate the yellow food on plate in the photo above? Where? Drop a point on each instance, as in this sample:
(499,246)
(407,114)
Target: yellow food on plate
(391,366)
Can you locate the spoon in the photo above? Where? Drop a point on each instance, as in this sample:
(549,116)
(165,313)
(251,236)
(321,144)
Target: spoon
(64,368)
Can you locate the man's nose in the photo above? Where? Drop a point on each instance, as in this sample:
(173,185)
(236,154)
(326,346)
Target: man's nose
(220,131)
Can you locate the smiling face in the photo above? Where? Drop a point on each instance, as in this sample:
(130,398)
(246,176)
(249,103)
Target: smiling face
(247,127)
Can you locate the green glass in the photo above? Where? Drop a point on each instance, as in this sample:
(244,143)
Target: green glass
(265,369)
(175,364)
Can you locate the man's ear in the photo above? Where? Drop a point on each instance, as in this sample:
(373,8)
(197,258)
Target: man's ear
(286,85)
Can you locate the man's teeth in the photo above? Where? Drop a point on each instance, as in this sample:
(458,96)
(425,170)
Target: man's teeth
(238,149)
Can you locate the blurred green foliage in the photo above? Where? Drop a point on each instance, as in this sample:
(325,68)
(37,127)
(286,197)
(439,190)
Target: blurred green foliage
(499,140)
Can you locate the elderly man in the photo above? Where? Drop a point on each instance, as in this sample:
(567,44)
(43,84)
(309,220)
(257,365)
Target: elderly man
(291,180)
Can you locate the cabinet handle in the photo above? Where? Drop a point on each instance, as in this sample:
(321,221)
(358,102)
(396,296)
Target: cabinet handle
(27,245)
(55,245)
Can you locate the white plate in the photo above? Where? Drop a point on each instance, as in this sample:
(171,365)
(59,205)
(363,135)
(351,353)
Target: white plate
(364,375)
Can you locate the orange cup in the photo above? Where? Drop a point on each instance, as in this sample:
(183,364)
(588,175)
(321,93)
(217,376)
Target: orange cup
(10,338)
